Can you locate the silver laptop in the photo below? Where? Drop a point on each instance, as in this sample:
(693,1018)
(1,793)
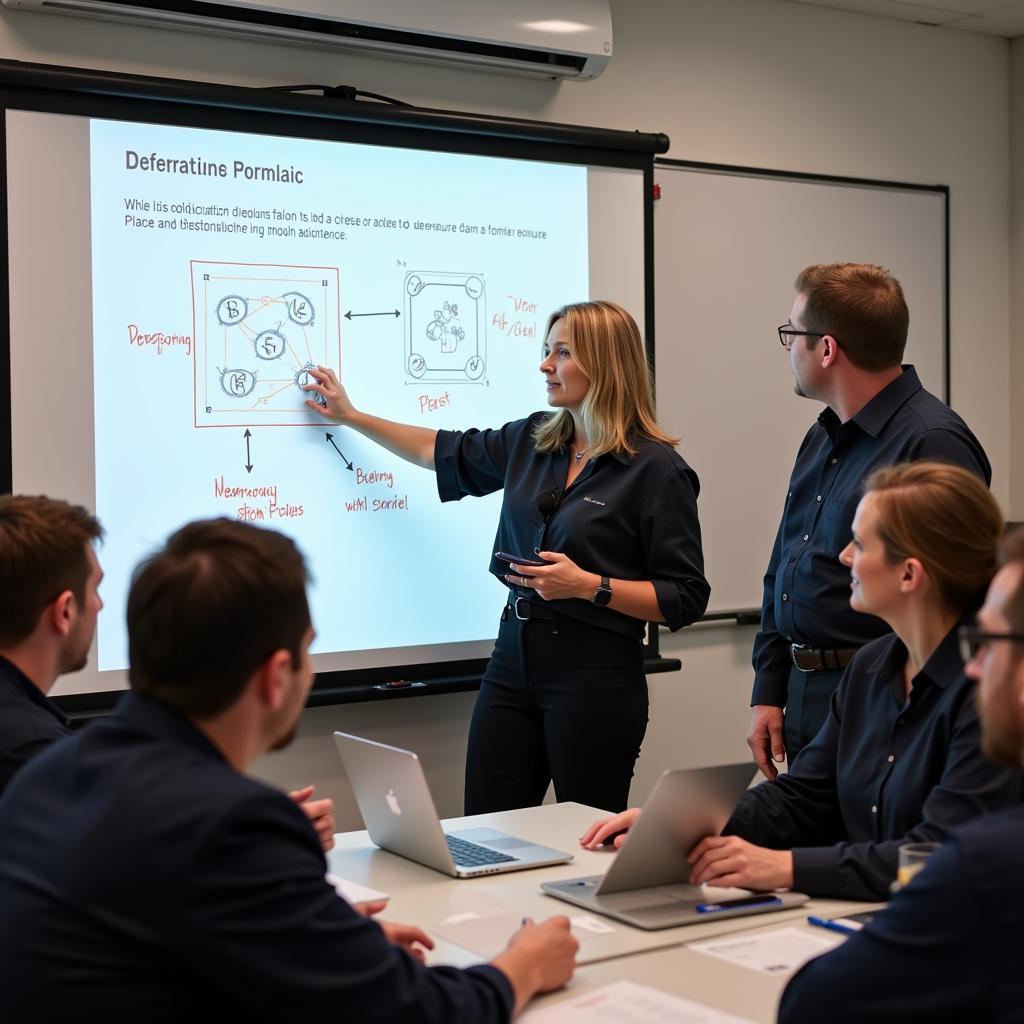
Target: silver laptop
(647,884)
(400,816)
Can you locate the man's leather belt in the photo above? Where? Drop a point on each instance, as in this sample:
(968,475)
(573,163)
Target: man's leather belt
(524,610)
(817,659)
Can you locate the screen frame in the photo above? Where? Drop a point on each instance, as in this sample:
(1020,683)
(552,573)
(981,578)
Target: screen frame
(120,97)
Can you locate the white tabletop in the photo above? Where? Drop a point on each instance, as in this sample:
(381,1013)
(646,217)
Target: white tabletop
(696,976)
(427,898)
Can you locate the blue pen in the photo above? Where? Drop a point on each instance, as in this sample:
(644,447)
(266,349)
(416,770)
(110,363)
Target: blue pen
(745,901)
(832,926)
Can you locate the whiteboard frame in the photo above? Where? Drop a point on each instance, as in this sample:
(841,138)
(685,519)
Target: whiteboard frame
(751,615)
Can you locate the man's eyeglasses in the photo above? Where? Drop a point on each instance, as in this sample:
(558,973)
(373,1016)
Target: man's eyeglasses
(787,332)
(973,641)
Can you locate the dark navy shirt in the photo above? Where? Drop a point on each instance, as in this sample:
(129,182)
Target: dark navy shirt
(628,517)
(29,721)
(806,588)
(884,770)
(947,951)
(142,878)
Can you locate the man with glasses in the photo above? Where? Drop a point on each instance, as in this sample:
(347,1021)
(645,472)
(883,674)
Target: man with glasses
(845,338)
(949,946)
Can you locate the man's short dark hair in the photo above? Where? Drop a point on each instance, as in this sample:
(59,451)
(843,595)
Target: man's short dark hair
(43,552)
(209,608)
(862,307)
(1012,550)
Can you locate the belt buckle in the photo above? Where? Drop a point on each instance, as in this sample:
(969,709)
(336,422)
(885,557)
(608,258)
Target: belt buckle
(795,650)
(515,608)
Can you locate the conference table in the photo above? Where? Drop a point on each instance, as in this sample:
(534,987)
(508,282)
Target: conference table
(471,919)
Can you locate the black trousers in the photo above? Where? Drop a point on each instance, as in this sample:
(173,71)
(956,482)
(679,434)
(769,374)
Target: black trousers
(807,705)
(563,701)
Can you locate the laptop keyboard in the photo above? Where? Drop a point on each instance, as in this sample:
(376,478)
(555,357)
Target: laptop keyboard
(471,855)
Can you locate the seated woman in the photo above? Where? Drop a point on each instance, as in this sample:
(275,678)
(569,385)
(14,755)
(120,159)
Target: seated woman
(898,760)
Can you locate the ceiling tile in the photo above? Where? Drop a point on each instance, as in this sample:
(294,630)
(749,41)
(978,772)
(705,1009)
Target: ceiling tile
(992,17)
(957,6)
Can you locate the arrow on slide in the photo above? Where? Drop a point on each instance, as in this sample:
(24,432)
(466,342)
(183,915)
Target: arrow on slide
(390,312)
(248,457)
(330,438)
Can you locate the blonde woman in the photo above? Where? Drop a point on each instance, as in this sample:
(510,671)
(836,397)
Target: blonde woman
(603,512)
(898,759)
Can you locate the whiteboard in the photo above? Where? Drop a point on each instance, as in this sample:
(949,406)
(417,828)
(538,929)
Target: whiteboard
(729,243)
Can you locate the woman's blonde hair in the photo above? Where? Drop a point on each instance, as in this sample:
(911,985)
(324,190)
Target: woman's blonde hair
(619,404)
(947,519)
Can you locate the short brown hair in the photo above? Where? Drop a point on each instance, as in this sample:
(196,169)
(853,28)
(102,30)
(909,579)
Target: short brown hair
(209,608)
(862,306)
(945,517)
(1012,550)
(43,552)
(619,405)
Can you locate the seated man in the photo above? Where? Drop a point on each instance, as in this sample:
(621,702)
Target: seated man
(949,946)
(144,876)
(49,601)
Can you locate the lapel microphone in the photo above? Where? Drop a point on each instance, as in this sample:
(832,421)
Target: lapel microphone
(548,503)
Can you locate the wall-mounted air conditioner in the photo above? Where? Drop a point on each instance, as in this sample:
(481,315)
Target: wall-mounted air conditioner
(550,38)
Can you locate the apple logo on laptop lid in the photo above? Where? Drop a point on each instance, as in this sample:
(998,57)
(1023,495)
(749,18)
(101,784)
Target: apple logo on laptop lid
(393,805)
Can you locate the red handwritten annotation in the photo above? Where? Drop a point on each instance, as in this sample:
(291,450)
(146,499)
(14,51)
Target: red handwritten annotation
(268,507)
(428,404)
(158,340)
(378,504)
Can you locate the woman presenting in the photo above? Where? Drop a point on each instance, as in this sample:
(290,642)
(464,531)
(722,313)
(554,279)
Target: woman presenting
(599,518)
(898,759)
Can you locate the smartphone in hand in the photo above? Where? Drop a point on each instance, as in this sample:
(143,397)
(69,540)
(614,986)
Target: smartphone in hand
(517,560)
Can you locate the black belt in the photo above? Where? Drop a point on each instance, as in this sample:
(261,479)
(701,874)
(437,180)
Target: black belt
(525,610)
(818,659)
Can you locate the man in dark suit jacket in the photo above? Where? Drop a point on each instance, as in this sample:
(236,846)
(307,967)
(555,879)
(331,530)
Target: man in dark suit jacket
(143,876)
(948,949)
(49,602)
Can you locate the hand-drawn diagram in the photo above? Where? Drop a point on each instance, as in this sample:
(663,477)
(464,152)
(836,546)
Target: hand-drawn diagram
(446,326)
(260,328)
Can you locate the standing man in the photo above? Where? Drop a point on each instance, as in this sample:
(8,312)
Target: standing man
(145,876)
(949,946)
(845,337)
(49,601)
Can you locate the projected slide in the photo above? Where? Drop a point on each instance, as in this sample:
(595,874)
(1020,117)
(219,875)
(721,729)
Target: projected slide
(224,265)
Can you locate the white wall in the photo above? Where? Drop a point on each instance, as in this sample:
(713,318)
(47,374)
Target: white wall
(755,82)
(1016,418)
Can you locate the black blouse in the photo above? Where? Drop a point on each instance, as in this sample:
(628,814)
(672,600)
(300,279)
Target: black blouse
(629,517)
(883,771)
